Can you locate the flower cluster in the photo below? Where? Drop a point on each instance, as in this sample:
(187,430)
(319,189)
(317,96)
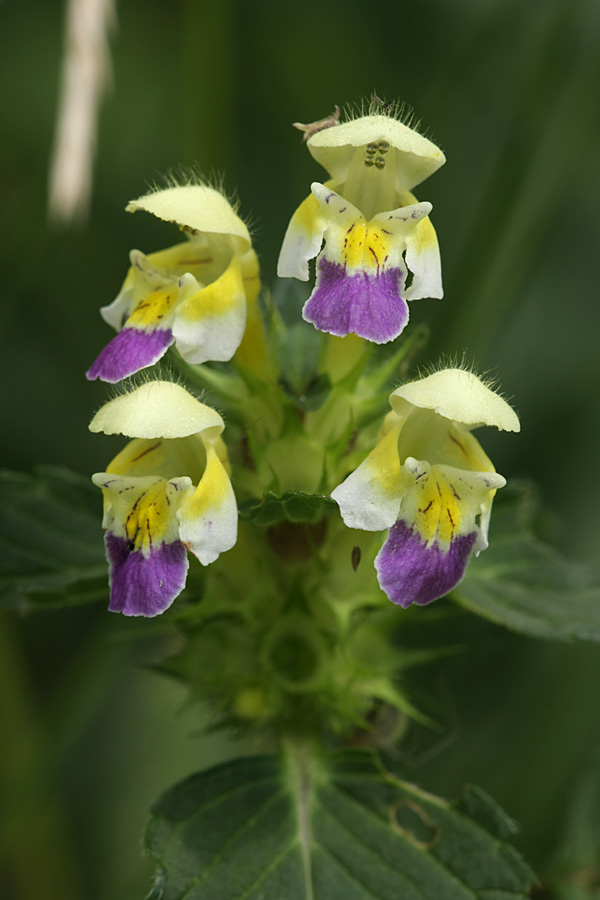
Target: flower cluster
(375,231)
(166,492)
(194,294)
(427,482)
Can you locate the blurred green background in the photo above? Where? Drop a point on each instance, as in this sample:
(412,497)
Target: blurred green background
(88,734)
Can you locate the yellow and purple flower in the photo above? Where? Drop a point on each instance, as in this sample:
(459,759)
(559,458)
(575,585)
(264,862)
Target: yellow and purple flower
(166,492)
(429,482)
(380,247)
(194,294)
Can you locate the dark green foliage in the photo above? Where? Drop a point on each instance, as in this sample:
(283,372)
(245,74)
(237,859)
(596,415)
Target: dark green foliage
(525,584)
(51,550)
(337,828)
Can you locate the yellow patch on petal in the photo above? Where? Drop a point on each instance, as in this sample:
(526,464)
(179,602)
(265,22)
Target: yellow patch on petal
(142,510)
(205,257)
(358,244)
(302,240)
(307,216)
(148,519)
(217,298)
(383,463)
(250,274)
(253,352)
(439,511)
(366,246)
(153,309)
(139,457)
(443,502)
(182,258)
(167,459)
(464,451)
(220,448)
(213,489)
(208,516)
(304,236)
(424,236)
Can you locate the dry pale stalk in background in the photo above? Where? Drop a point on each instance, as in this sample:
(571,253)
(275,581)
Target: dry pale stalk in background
(86,71)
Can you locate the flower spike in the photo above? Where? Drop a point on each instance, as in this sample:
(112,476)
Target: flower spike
(429,482)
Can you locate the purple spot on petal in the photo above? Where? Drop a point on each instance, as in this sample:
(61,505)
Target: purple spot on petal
(409,571)
(369,305)
(144,586)
(128,352)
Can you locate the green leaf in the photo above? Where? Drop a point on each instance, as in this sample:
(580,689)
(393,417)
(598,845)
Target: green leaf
(527,585)
(341,828)
(291,506)
(51,549)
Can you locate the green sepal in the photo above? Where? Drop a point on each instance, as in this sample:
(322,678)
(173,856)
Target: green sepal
(312,396)
(299,351)
(291,506)
(525,584)
(51,548)
(309,827)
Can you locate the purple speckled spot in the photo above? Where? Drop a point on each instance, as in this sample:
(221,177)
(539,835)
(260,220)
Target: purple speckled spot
(144,586)
(411,572)
(128,352)
(369,305)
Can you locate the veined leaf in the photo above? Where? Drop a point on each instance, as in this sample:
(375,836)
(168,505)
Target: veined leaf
(525,584)
(338,828)
(51,550)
